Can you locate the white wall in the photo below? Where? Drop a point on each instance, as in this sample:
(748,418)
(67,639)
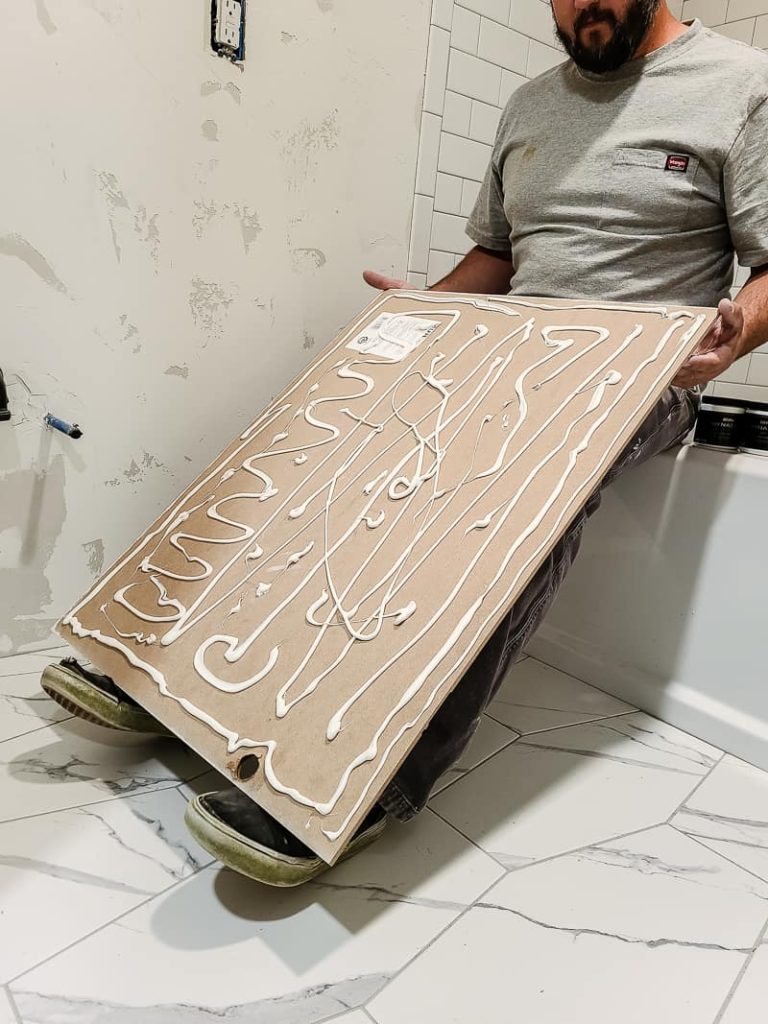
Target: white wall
(480,51)
(178,239)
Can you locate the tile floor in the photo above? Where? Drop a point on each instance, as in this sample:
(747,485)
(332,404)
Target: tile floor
(582,863)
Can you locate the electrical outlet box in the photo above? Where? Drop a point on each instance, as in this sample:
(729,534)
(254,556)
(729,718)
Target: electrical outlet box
(228,29)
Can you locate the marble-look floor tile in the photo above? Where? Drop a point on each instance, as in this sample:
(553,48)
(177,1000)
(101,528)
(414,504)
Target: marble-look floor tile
(729,814)
(634,739)
(534,697)
(65,874)
(356,1017)
(749,1004)
(74,763)
(220,942)
(7,1016)
(563,789)
(648,928)
(489,738)
(24,707)
(16,664)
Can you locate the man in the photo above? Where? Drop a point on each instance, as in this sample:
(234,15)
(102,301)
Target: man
(632,172)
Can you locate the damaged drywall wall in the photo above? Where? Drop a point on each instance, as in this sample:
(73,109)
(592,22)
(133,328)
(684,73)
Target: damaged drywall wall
(182,235)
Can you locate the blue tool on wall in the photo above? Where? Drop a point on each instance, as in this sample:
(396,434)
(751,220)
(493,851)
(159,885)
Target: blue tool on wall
(5,412)
(70,429)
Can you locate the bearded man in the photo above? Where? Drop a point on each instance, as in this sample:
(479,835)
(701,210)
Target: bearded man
(633,172)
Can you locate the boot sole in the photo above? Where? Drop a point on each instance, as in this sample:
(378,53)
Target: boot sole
(258,862)
(87,702)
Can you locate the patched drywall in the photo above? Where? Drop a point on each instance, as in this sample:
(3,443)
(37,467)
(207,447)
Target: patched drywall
(179,235)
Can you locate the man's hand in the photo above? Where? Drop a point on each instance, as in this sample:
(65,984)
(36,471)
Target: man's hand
(382,282)
(721,346)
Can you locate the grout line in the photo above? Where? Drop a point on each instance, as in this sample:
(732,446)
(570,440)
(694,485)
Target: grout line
(699,840)
(367,1012)
(419,145)
(554,856)
(37,728)
(431,942)
(93,803)
(585,846)
(740,976)
(105,924)
(341,1014)
(586,683)
(456,828)
(466,138)
(515,736)
(12,1004)
(484,893)
(698,785)
(504,24)
(569,725)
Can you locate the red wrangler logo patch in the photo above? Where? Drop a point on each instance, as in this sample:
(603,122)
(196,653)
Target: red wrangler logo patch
(676,163)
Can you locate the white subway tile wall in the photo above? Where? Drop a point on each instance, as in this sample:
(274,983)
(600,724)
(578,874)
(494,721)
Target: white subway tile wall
(480,51)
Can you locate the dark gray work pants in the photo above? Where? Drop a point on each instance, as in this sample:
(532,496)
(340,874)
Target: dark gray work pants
(452,727)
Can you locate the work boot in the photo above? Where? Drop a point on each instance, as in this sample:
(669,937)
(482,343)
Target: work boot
(97,699)
(245,838)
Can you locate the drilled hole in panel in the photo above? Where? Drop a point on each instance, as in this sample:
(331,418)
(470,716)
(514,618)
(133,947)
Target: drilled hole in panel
(247,767)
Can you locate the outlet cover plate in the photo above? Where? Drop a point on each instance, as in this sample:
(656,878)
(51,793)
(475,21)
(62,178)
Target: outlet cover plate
(228,29)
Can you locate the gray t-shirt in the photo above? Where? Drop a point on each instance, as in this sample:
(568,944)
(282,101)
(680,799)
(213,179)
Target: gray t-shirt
(639,184)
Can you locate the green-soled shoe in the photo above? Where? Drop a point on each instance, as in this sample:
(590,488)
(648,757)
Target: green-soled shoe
(246,839)
(95,698)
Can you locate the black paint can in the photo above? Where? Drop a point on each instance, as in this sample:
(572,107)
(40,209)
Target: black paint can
(720,423)
(754,432)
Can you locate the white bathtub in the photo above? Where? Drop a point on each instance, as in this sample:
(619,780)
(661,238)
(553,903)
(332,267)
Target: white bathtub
(666,605)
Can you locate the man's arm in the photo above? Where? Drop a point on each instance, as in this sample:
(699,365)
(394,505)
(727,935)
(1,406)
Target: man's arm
(741,327)
(481,272)
(753,299)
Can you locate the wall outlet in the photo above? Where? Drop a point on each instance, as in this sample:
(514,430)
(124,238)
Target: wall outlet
(228,28)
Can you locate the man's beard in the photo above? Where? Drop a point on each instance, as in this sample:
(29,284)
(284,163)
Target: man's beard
(627,36)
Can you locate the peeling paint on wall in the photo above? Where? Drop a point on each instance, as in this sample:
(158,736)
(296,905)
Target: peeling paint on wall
(211,87)
(302,146)
(129,215)
(178,371)
(130,331)
(147,230)
(26,405)
(34,509)
(111,189)
(106,8)
(137,470)
(203,215)
(94,549)
(250,227)
(44,17)
(207,211)
(19,248)
(308,258)
(209,303)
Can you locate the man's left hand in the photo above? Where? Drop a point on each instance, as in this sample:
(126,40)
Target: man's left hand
(720,347)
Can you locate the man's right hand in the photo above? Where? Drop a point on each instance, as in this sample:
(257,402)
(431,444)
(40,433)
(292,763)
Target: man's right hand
(384,283)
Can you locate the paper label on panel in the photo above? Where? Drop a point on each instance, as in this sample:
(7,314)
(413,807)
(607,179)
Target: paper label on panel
(392,336)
